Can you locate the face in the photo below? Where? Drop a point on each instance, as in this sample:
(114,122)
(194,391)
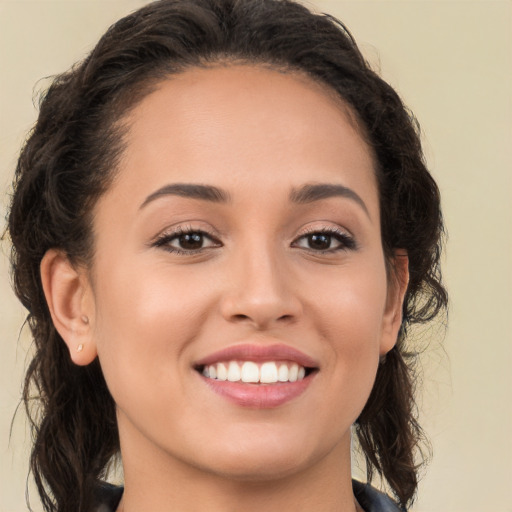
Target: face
(239,301)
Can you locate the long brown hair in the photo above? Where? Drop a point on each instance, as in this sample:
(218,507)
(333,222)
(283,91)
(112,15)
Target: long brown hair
(70,158)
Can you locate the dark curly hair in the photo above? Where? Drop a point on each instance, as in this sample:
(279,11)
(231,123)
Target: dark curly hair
(70,159)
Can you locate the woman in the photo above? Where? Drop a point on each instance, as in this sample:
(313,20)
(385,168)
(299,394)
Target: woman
(223,228)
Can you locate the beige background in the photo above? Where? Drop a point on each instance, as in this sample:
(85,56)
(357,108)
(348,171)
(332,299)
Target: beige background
(452,63)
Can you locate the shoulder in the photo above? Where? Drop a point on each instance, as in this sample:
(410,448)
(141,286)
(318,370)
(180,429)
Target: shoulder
(373,500)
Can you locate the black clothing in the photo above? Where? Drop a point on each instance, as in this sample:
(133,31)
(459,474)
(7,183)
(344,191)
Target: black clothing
(372,500)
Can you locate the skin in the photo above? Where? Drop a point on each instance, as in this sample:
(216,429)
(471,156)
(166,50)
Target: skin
(150,314)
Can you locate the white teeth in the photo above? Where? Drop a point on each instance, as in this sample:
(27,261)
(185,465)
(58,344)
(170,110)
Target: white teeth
(250,372)
(268,372)
(234,373)
(222,372)
(293,373)
(282,373)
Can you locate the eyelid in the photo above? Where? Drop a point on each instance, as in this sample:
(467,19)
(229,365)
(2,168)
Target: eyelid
(184,227)
(325,228)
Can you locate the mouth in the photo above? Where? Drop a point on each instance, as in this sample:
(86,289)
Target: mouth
(258,376)
(252,372)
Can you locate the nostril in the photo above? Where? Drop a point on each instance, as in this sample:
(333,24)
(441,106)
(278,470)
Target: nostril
(240,317)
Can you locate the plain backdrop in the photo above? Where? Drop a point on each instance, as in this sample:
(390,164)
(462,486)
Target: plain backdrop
(452,63)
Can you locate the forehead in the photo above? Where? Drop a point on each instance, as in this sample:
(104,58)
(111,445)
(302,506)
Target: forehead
(240,124)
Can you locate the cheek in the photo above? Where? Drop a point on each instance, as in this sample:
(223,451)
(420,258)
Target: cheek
(349,314)
(350,305)
(146,319)
(136,298)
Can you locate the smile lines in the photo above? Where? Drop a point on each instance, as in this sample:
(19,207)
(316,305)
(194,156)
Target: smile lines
(250,372)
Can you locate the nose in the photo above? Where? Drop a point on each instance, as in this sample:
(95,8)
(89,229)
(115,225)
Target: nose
(259,291)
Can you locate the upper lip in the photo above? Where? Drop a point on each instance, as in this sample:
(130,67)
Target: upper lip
(259,353)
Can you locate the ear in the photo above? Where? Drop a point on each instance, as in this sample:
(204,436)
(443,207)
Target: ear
(397,286)
(69,298)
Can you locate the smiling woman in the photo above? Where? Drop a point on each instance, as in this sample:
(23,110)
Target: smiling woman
(223,228)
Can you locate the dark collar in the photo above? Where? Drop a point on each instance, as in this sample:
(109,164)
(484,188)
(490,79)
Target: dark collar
(108,497)
(373,500)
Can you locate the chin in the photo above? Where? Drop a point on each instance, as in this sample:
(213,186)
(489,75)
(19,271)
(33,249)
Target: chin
(260,468)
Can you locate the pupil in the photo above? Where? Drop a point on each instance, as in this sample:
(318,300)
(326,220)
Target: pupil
(191,241)
(319,241)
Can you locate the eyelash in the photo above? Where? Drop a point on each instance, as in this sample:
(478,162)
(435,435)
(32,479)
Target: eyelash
(165,240)
(346,241)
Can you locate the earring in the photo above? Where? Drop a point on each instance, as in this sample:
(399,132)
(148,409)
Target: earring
(80,347)
(84,319)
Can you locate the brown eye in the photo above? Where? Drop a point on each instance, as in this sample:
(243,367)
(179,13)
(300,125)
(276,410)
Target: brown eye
(319,241)
(186,242)
(326,241)
(190,241)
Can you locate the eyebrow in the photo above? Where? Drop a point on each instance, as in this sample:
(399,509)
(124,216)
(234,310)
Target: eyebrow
(190,190)
(310,193)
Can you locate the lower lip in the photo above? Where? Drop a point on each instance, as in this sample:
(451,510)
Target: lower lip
(259,396)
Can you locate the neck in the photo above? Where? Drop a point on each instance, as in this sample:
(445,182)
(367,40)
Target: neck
(160,483)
